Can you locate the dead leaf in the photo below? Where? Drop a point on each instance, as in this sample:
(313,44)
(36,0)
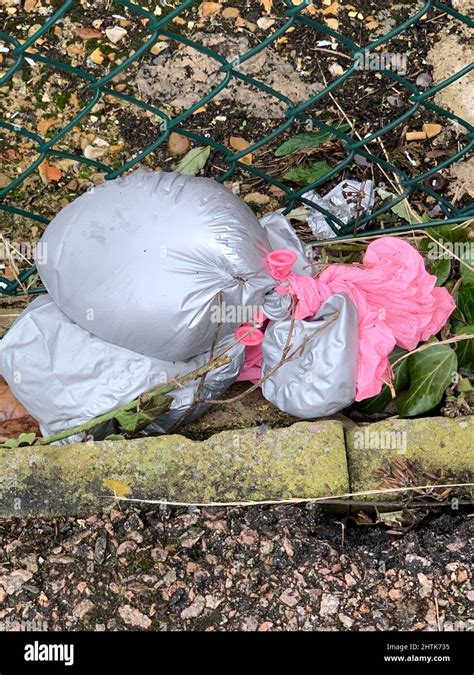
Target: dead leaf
(257,198)
(208,8)
(10,406)
(16,427)
(267,5)
(44,124)
(87,33)
(48,172)
(4,180)
(333,8)
(238,143)
(97,56)
(29,5)
(332,23)
(9,155)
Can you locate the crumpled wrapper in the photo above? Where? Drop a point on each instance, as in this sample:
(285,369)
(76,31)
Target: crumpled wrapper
(343,202)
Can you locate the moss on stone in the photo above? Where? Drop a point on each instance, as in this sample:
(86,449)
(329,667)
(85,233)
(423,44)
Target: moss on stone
(434,443)
(305,460)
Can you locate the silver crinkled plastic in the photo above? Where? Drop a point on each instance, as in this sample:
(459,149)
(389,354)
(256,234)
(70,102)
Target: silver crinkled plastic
(346,200)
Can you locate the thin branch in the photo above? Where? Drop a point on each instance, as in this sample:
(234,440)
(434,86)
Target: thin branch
(449,341)
(136,403)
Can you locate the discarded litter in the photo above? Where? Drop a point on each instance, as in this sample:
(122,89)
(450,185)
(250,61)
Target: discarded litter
(348,199)
(153,275)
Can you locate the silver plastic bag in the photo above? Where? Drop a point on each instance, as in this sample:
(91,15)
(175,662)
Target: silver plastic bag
(64,375)
(318,377)
(144,261)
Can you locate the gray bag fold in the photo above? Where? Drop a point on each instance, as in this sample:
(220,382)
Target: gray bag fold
(320,378)
(64,375)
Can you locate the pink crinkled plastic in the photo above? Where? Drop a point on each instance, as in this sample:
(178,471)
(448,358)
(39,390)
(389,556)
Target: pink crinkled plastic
(396,299)
(251,372)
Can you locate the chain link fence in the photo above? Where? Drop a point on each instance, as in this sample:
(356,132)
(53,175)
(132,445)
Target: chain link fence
(294,14)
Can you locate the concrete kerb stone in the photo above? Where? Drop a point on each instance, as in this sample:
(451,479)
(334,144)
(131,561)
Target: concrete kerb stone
(305,460)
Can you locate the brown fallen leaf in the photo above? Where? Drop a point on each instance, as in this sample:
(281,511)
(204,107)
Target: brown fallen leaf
(21,425)
(209,8)
(332,23)
(87,33)
(4,180)
(333,8)
(238,143)
(44,124)
(257,198)
(9,155)
(49,173)
(267,5)
(29,5)
(10,406)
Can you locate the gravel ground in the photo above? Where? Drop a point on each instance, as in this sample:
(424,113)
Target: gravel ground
(265,569)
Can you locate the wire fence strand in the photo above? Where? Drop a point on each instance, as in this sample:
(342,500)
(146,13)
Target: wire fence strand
(156,28)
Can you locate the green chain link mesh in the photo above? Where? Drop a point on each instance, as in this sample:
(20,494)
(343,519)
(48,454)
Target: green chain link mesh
(293,15)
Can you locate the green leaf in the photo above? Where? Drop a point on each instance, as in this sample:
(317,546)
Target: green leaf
(308,173)
(392,518)
(450,233)
(440,267)
(194,161)
(401,379)
(400,209)
(468,257)
(308,140)
(465,351)
(134,421)
(465,385)
(431,371)
(23,439)
(465,303)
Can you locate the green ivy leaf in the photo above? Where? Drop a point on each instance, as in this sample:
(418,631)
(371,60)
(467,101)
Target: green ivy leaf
(193,161)
(307,174)
(465,385)
(308,140)
(465,303)
(133,421)
(467,256)
(441,268)
(450,233)
(401,209)
(22,440)
(401,379)
(431,371)
(465,351)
